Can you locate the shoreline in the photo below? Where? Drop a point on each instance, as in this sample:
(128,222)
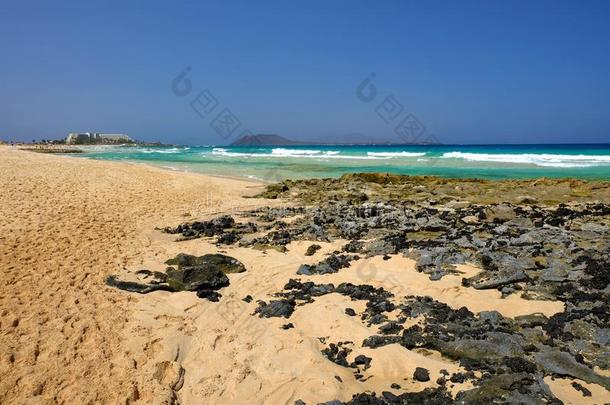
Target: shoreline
(268,164)
(166,166)
(151,164)
(68,224)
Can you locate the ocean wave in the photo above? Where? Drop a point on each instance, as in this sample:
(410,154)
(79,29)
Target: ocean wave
(225,152)
(164,151)
(543,159)
(292,153)
(396,154)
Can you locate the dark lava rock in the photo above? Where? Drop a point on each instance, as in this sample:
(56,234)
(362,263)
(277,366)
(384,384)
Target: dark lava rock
(157,276)
(377,319)
(579,387)
(555,325)
(597,270)
(199,229)
(224,263)
(507,270)
(362,360)
(413,337)
(350,312)
(246,228)
(540,251)
(496,346)
(429,396)
(204,274)
(287,326)
(304,291)
(132,286)
(278,308)
(366,292)
(390,328)
(280,237)
(387,245)
(458,378)
(564,364)
(377,298)
(312,249)
(209,294)
(517,388)
(337,354)
(421,374)
(228,238)
(331,264)
(378,341)
(352,229)
(354,246)
(195,278)
(395,386)
(247,298)
(520,365)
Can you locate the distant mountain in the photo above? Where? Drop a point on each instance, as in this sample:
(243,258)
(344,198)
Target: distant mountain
(346,139)
(265,140)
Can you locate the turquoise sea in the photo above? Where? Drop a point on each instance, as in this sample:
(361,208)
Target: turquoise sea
(275,163)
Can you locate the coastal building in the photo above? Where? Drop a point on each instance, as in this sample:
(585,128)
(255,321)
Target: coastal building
(94,138)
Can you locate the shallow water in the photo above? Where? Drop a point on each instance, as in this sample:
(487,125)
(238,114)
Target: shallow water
(459,161)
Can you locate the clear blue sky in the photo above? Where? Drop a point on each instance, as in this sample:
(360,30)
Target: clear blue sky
(471,72)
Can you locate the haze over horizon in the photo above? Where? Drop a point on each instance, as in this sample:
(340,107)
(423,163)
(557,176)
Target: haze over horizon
(473,72)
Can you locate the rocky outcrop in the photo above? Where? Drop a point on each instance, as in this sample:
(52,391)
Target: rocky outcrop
(203,274)
(547,245)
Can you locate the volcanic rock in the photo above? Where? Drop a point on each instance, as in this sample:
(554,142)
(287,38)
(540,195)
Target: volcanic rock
(421,374)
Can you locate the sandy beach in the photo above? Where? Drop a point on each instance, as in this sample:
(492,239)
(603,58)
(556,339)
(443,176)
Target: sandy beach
(65,225)
(66,337)
(305,203)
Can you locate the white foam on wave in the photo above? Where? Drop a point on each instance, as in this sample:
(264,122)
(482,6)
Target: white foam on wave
(396,154)
(292,153)
(225,152)
(164,151)
(543,159)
